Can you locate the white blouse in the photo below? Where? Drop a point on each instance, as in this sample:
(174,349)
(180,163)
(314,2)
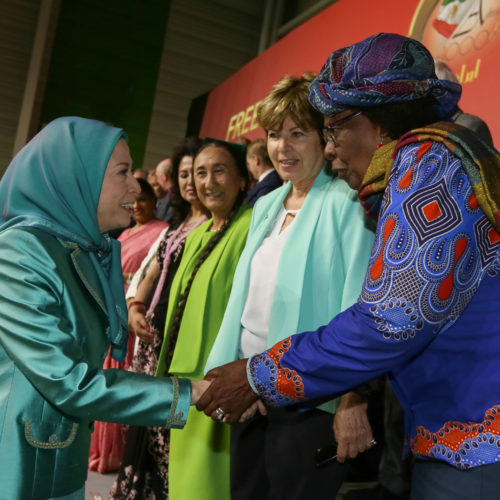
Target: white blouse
(262,282)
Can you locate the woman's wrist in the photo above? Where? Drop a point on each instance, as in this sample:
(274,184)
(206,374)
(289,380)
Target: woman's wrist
(198,387)
(137,303)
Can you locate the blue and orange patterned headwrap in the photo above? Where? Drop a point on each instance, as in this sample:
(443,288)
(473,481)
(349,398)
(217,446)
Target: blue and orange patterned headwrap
(382,69)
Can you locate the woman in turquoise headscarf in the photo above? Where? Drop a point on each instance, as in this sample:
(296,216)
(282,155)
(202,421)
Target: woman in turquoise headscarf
(61,308)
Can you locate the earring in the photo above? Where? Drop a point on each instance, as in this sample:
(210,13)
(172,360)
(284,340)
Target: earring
(379,145)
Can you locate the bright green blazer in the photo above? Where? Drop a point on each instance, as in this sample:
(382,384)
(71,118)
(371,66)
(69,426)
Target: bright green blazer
(321,268)
(52,345)
(198,465)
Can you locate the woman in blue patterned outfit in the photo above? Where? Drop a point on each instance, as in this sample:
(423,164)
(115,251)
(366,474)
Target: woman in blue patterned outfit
(428,311)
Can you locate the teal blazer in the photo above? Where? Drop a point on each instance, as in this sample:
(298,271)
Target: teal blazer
(52,346)
(321,269)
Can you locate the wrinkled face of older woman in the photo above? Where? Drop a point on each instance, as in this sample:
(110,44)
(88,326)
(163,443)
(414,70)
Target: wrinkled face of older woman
(297,154)
(119,190)
(217,180)
(352,146)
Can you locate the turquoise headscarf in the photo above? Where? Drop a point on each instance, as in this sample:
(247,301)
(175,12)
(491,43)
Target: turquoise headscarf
(54,184)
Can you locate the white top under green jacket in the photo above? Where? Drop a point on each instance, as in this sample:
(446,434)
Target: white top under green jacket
(321,269)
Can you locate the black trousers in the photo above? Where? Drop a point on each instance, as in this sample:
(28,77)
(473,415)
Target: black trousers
(433,480)
(272,457)
(395,469)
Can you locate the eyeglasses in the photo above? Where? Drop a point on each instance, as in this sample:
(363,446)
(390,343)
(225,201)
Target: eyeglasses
(330,131)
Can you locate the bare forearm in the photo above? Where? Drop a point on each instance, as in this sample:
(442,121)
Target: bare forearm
(146,287)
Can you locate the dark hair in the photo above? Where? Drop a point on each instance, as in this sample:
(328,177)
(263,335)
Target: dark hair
(180,207)
(397,118)
(146,188)
(237,151)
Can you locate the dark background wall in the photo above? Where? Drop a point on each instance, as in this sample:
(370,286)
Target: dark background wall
(105,64)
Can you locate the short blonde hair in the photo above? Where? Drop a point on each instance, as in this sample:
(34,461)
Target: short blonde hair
(289,97)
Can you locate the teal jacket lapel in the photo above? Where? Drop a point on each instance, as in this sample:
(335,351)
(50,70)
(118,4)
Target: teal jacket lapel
(86,272)
(265,211)
(285,312)
(264,214)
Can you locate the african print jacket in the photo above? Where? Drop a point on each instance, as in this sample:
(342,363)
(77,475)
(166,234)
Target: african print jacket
(428,314)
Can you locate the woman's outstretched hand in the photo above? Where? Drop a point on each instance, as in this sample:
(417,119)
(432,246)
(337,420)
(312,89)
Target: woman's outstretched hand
(198,387)
(229,394)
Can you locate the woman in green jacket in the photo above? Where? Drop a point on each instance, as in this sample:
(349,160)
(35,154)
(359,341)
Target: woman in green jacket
(62,307)
(199,458)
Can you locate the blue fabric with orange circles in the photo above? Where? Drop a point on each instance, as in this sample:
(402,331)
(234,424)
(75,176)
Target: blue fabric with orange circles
(428,315)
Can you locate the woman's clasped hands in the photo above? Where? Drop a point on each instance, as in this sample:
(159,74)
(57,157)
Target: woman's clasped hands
(229,397)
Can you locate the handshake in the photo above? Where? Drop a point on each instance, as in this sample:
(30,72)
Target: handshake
(225,394)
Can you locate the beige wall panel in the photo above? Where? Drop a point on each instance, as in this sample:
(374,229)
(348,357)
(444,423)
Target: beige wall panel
(206,42)
(18,21)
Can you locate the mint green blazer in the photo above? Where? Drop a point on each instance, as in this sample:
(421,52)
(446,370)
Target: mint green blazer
(52,346)
(321,269)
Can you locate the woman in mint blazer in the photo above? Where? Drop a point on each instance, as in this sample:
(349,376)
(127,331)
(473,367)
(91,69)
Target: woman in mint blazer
(303,262)
(62,307)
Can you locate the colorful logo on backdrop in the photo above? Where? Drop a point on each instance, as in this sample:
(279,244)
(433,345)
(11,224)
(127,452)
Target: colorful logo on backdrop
(463,33)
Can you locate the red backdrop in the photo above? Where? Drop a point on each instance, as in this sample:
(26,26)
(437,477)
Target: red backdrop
(468,42)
